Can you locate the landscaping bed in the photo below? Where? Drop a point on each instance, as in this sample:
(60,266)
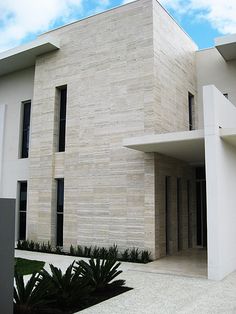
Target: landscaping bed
(94,299)
(133,255)
(83,284)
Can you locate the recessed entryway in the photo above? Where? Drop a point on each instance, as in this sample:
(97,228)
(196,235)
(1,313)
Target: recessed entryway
(191,262)
(184,232)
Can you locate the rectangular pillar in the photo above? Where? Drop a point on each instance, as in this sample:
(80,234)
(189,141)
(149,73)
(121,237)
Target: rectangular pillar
(221,181)
(7,234)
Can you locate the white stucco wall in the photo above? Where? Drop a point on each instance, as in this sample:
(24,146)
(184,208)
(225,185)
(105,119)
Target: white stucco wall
(14,88)
(221,182)
(213,69)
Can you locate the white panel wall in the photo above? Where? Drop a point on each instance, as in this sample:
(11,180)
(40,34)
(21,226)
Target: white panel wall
(212,69)
(2,127)
(14,88)
(221,184)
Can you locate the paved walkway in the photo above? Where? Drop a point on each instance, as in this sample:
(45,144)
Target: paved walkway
(158,293)
(191,262)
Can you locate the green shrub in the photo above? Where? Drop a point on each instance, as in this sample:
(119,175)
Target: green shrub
(103,254)
(145,257)
(72,250)
(125,255)
(87,251)
(31,245)
(68,288)
(49,247)
(57,292)
(79,251)
(100,273)
(46,248)
(113,252)
(32,294)
(95,252)
(129,255)
(58,250)
(25,245)
(37,246)
(43,248)
(18,245)
(134,255)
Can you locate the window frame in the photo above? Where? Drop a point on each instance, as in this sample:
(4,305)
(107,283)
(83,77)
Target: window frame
(22,211)
(190,111)
(60,212)
(62,118)
(25,129)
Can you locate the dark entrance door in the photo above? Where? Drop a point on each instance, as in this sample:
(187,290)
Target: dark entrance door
(201,207)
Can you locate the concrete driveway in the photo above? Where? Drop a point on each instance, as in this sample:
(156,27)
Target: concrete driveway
(156,292)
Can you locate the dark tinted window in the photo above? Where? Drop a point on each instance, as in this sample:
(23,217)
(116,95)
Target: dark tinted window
(22,210)
(25,130)
(62,123)
(60,229)
(190,110)
(60,209)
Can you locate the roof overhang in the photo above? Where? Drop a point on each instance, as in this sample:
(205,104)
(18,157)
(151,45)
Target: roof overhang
(226,46)
(24,56)
(187,146)
(229,135)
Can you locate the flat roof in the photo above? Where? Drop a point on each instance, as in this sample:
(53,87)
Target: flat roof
(187,145)
(226,46)
(120,6)
(24,56)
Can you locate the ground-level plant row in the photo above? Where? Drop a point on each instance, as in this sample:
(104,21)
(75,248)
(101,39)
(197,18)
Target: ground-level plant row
(133,255)
(82,285)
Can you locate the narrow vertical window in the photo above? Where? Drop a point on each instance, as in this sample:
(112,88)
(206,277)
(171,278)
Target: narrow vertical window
(60,210)
(167,213)
(189,214)
(190,110)
(25,129)
(62,121)
(22,210)
(179,218)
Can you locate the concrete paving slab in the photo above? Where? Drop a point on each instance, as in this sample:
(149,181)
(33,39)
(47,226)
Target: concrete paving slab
(158,293)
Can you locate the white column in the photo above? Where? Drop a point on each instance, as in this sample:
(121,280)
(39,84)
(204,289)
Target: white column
(220,159)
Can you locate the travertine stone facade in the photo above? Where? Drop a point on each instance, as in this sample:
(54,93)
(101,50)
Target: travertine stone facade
(174,73)
(124,78)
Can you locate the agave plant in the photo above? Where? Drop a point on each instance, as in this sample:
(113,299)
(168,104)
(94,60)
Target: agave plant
(31,295)
(87,251)
(31,245)
(69,288)
(100,273)
(58,250)
(103,253)
(125,255)
(79,251)
(72,250)
(134,255)
(113,252)
(145,256)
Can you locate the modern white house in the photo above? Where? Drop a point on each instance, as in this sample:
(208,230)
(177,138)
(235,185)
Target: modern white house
(117,129)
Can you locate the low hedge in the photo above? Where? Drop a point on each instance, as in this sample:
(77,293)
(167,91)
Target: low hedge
(133,255)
